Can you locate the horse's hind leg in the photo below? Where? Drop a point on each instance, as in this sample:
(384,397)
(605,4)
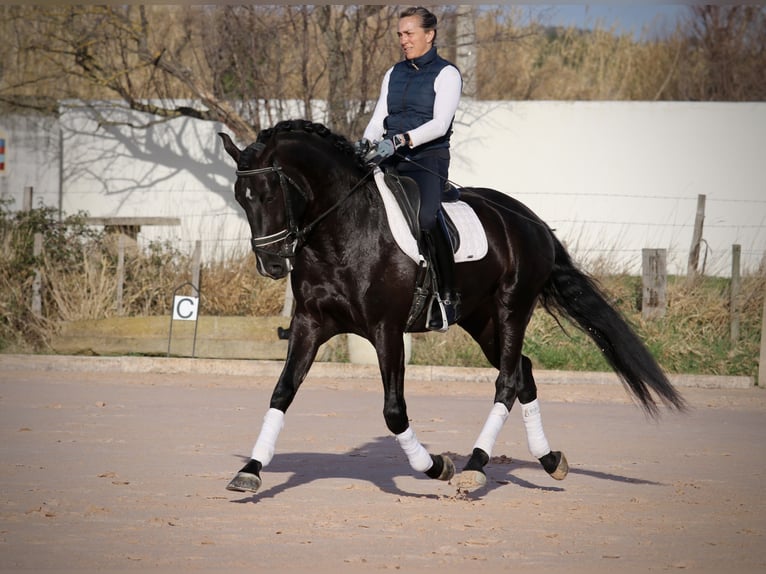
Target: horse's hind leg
(554,462)
(520,385)
(473,475)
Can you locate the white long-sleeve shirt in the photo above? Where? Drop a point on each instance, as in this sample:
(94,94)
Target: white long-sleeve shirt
(447,86)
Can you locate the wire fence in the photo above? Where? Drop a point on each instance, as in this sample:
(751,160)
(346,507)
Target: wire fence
(593,241)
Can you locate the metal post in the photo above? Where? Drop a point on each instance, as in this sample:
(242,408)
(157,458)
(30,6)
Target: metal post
(736,284)
(762,362)
(37,300)
(120,271)
(27,202)
(196,263)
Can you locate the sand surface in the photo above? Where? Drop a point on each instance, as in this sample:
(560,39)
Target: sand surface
(116,471)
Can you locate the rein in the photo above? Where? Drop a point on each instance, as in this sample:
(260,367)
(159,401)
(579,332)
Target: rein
(294,236)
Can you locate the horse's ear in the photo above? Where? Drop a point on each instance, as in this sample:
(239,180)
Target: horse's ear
(229,146)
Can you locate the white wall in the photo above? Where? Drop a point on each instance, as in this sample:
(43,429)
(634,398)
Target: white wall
(116,165)
(32,159)
(614,177)
(610,177)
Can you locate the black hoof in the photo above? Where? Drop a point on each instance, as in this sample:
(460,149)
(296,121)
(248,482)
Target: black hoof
(248,479)
(555,464)
(244,482)
(442,469)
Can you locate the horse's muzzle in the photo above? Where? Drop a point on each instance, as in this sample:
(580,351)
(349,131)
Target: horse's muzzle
(272,266)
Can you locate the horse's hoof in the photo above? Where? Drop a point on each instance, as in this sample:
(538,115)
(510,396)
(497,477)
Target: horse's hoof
(449,468)
(244,482)
(562,469)
(470,480)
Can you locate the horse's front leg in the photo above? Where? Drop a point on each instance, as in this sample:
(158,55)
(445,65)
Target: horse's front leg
(390,351)
(301,351)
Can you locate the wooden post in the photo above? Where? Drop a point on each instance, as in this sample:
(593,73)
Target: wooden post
(694,251)
(120,271)
(196,263)
(654,280)
(762,361)
(27,201)
(37,300)
(736,284)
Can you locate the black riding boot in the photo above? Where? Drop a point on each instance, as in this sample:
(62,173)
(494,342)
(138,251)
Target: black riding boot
(444,308)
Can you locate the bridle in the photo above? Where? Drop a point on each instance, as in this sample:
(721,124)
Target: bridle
(293,236)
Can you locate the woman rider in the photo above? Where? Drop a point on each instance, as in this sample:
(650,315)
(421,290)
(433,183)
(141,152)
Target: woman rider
(411,126)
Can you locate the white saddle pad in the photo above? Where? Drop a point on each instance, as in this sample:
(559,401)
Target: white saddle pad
(473,239)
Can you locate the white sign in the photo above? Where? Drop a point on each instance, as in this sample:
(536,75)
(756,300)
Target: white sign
(185,308)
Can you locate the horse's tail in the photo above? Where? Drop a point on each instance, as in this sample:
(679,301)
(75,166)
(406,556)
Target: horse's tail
(572,292)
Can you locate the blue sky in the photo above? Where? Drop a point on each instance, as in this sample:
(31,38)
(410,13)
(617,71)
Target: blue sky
(626,18)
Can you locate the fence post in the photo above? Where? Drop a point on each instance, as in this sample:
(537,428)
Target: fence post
(762,361)
(694,252)
(37,300)
(736,283)
(196,264)
(120,270)
(654,277)
(27,201)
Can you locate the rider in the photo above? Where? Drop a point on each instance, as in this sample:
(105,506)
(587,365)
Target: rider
(411,126)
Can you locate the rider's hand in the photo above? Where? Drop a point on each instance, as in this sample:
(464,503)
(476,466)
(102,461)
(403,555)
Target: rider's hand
(384,149)
(362,147)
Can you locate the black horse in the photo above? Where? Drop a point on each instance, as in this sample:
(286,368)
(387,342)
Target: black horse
(315,212)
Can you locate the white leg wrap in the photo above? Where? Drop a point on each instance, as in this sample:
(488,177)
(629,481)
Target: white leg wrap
(495,421)
(416,453)
(263,451)
(533,423)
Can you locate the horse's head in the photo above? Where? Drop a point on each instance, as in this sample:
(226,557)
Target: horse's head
(273,204)
(278,176)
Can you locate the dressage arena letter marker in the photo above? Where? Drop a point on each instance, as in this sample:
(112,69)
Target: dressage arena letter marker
(185,308)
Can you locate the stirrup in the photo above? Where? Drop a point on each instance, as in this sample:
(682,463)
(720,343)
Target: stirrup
(436,320)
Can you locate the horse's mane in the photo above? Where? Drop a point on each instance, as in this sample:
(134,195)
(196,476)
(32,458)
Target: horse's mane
(336,140)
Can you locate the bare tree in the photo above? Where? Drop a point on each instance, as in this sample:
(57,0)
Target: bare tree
(725,53)
(237,65)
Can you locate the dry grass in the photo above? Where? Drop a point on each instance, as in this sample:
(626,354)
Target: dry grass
(80,282)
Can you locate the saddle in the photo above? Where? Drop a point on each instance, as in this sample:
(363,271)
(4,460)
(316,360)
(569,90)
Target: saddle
(407,195)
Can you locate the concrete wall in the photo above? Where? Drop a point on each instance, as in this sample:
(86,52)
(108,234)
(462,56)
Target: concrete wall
(610,177)
(32,159)
(614,177)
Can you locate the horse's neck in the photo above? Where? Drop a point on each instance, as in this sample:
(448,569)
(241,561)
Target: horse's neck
(354,218)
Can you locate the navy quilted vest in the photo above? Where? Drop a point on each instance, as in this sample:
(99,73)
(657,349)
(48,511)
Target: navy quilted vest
(411,96)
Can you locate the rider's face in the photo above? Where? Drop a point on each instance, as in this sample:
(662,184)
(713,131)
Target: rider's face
(413,38)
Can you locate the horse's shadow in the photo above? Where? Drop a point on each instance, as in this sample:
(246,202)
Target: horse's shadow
(381,461)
